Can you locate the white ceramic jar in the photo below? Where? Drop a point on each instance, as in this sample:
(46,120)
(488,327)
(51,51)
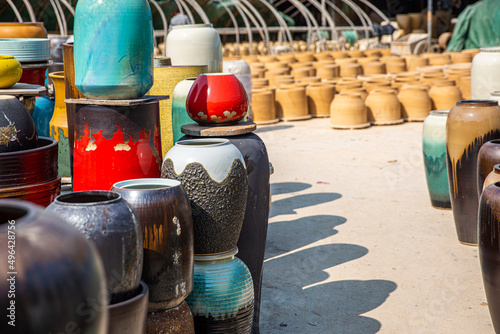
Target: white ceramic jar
(195,44)
(485,75)
(495,96)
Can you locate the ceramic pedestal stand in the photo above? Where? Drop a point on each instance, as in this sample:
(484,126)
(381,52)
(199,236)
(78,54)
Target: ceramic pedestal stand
(251,243)
(115,140)
(26,94)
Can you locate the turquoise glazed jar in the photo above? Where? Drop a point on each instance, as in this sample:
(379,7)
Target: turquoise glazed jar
(179,112)
(434,149)
(222,297)
(113,49)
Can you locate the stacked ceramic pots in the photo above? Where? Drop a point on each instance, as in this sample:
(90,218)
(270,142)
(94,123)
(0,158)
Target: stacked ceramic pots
(211,164)
(117,129)
(28,43)
(28,163)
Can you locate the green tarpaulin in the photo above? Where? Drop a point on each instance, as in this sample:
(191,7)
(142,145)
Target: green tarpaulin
(478,26)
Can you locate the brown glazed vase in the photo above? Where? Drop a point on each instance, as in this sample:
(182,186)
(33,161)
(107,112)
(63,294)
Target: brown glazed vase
(167,228)
(470,124)
(488,157)
(489,248)
(177,320)
(60,278)
(493,176)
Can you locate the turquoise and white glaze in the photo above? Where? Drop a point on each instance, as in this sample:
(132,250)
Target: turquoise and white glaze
(222,286)
(434,149)
(179,113)
(113,48)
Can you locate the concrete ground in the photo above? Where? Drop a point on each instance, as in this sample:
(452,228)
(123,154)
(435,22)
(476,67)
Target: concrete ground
(354,245)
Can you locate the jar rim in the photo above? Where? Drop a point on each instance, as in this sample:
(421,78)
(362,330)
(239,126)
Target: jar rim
(205,142)
(158,183)
(440,112)
(477,103)
(88,198)
(205,258)
(189,26)
(490,49)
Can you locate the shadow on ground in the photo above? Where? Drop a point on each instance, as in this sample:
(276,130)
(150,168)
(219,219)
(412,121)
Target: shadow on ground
(288,205)
(272,128)
(288,187)
(330,307)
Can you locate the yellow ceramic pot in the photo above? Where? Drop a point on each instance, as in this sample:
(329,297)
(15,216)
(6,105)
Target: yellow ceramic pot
(166,78)
(263,106)
(348,111)
(291,103)
(319,97)
(415,102)
(383,107)
(10,71)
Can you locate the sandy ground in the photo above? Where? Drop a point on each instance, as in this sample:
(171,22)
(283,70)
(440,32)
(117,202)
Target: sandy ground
(354,245)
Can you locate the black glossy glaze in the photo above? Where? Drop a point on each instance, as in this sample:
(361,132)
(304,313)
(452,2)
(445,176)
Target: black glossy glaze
(17,128)
(60,281)
(489,248)
(105,218)
(489,156)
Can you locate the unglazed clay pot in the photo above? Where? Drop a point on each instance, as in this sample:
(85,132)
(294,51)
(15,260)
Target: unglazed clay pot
(434,150)
(105,33)
(493,176)
(107,152)
(17,129)
(291,103)
(347,83)
(348,111)
(114,228)
(59,124)
(350,70)
(470,124)
(217,99)
(178,320)
(163,209)
(129,316)
(213,174)
(60,278)
(303,72)
(415,103)
(319,98)
(444,94)
(487,158)
(10,71)
(370,85)
(263,106)
(488,241)
(484,73)
(404,22)
(395,67)
(414,61)
(276,64)
(304,56)
(375,67)
(166,78)
(22,30)
(361,91)
(383,107)
(465,87)
(222,298)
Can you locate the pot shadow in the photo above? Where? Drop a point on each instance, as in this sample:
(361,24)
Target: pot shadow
(288,187)
(285,236)
(287,206)
(296,301)
(261,129)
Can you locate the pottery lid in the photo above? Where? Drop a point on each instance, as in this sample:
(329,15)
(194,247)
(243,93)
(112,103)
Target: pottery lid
(440,112)
(189,26)
(490,49)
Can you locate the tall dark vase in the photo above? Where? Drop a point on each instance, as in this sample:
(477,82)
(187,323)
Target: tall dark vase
(470,124)
(115,143)
(60,278)
(489,248)
(165,214)
(489,156)
(252,241)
